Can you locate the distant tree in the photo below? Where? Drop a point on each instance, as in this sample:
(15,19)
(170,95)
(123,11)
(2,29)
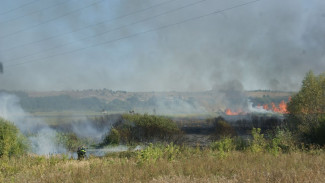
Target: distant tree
(307,108)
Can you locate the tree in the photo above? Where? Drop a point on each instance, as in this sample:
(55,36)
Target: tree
(307,108)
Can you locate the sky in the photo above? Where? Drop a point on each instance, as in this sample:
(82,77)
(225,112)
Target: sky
(160,45)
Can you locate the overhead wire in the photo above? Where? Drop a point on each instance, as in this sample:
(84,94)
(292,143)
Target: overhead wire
(92,25)
(115,29)
(19,7)
(139,33)
(50,20)
(34,12)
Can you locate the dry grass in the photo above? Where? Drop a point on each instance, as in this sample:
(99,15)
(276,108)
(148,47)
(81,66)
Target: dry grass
(199,166)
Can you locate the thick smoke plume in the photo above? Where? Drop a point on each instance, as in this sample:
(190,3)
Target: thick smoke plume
(269,44)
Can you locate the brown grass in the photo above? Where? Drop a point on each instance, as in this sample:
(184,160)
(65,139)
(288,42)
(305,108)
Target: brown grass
(202,166)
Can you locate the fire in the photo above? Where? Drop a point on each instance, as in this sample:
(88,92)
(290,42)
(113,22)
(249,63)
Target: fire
(233,113)
(281,108)
(266,107)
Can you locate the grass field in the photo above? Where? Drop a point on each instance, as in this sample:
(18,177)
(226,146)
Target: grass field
(186,165)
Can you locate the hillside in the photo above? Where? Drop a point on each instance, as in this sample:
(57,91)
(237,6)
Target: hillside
(150,102)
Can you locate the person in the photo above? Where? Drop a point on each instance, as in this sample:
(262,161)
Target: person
(81,153)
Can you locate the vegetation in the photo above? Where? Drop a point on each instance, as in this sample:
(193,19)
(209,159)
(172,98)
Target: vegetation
(173,163)
(12,142)
(272,154)
(112,138)
(71,141)
(144,128)
(307,109)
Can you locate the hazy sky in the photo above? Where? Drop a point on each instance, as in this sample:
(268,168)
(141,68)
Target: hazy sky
(161,45)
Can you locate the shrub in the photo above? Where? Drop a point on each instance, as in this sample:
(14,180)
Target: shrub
(223,145)
(286,140)
(70,141)
(152,153)
(113,138)
(258,143)
(12,142)
(146,128)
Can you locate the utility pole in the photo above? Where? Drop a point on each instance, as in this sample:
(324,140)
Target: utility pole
(1,68)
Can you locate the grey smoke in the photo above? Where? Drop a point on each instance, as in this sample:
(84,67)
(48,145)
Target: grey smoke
(86,129)
(270,44)
(43,141)
(166,105)
(43,137)
(232,94)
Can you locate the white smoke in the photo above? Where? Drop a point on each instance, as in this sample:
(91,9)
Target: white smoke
(257,109)
(43,140)
(86,129)
(174,105)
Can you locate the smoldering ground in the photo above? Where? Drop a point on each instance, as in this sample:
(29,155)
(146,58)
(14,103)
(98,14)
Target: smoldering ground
(264,45)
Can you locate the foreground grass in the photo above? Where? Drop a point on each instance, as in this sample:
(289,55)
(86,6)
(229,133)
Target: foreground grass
(191,165)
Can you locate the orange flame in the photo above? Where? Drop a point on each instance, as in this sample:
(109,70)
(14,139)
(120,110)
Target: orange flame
(266,107)
(233,113)
(281,108)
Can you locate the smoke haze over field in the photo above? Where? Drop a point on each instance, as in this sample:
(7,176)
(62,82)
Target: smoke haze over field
(61,45)
(44,139)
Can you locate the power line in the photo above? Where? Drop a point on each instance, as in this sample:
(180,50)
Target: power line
(34,12)
(115,29)
(19,7)
(51,20)
(137,34)
(91,25)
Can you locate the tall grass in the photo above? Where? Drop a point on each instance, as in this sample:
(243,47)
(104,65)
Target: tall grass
(170,164)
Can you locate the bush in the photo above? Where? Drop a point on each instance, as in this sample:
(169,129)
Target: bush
(258,143)
(146,128)
(224,145)
(71,141)
(113,138)
(285,139)
(12,142)
(152,153)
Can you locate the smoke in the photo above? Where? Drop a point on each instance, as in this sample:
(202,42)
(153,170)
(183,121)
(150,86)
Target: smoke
(257,109)
(86,129)
(265,45)
(43,138)
(165,105)
(232,95)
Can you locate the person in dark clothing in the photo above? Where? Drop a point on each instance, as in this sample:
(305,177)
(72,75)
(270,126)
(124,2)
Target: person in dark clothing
(81,153)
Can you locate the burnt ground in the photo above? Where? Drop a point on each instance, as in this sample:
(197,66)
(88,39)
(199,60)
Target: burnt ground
(201,132)
(197,131)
